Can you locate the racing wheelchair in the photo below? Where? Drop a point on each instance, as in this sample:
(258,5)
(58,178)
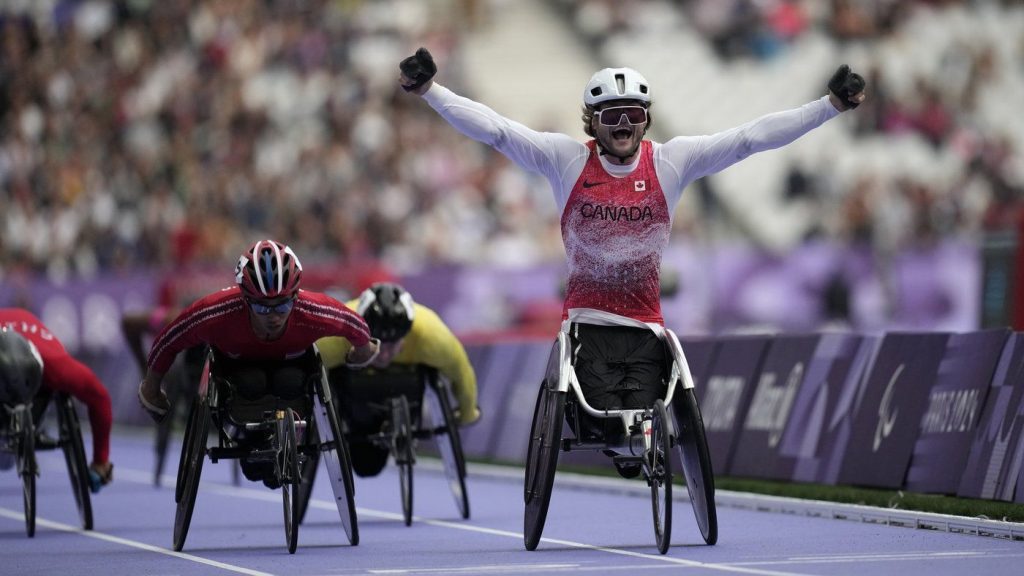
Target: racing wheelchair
(388,411)
(648,438)
(270,433)
(23,402)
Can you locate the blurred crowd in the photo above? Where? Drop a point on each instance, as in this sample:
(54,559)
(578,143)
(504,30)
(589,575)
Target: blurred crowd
(170,133)
(163,134)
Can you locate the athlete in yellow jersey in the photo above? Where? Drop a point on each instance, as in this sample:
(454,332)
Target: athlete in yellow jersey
(410,334)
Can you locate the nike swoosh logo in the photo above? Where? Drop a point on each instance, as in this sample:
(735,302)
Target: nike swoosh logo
(587,184)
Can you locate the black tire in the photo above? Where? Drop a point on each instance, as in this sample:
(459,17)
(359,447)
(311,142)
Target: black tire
(542,453)
(308,474)
(339,463)
(193,455)
(179,484)
(696,459)
(290,479)
(449,444)
(74,455)
(658,465)
(26,466)
(401,422)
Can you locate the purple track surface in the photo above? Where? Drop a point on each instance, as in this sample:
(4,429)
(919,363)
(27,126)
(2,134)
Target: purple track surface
(240,530)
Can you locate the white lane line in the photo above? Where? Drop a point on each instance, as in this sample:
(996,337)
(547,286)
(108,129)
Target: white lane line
(267,496)
(489,568)
(14,515)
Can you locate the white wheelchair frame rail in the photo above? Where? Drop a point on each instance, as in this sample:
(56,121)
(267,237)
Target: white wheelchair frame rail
(629,416)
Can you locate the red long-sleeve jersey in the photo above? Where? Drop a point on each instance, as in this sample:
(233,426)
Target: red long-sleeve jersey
(221,320)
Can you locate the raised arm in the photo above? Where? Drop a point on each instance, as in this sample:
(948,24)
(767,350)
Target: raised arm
(542,152)
(697,156)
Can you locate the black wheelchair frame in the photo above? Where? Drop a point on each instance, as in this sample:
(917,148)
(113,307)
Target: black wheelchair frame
(649,435)
(294,459)
(20,438)
(410,403)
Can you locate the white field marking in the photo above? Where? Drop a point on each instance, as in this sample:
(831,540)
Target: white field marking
(491,568)
(132,543)
(267,496)
(880,558)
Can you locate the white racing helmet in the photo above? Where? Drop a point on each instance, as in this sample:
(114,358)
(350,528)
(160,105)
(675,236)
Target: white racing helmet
(616,84)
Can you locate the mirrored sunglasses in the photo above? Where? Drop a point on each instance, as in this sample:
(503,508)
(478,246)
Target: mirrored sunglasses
(612,116)
(264,309)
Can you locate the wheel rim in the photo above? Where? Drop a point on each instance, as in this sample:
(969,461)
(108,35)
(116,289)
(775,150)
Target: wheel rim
(290,479)
(196,449)
(696,459)
(449,445)
(74,456)
(545,438)
(659,466)
(403,454)
(338,463)
(27,470)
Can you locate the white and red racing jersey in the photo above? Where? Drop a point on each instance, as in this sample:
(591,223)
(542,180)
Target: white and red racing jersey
(616,218)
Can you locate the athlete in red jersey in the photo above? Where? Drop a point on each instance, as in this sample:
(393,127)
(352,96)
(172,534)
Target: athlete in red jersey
(265,317)
(62,373)
(617,194)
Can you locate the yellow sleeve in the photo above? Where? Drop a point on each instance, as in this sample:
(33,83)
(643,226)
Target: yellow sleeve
(431,342)
(334,349)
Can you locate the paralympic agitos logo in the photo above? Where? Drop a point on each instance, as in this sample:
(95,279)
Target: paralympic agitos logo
(616,213)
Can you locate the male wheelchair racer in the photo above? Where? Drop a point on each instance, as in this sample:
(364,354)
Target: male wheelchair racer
(23,403)
(261,415)
(635,436)
(387,411)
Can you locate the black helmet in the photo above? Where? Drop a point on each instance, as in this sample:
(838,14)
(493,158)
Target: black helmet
(21,368)
(388,310)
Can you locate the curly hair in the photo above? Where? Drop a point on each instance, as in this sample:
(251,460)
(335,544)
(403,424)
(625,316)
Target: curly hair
(588,120)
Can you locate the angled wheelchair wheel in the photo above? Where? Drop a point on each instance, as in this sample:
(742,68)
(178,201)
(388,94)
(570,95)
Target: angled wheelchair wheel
(335,454)
(308,472)
(658,468)
(289,474)
(179,484)
(696,459)
(25,455)
(542,460)
(74,455)
(401,447)
(448,442)
(193,455)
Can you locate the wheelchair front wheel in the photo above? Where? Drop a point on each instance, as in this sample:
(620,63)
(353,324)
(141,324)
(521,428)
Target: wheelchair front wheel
(193,455)
(25,454)
(401,423)
(541,461)
(308,472)
(74,455)
(658,468)
(696,459)
(289,475)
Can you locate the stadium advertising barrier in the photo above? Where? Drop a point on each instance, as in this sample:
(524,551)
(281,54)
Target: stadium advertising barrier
(781,377)
(887,414)
(817,425)
(994,464)
(953,411)
(726,395)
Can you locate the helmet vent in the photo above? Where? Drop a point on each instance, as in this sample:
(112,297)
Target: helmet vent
(643,89)
(596,91)
(620,83)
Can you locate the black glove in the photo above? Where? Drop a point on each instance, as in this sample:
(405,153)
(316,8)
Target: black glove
(845,84)
(419,68)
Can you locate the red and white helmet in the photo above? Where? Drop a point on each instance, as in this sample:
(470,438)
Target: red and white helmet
(616,84)
(268,270)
